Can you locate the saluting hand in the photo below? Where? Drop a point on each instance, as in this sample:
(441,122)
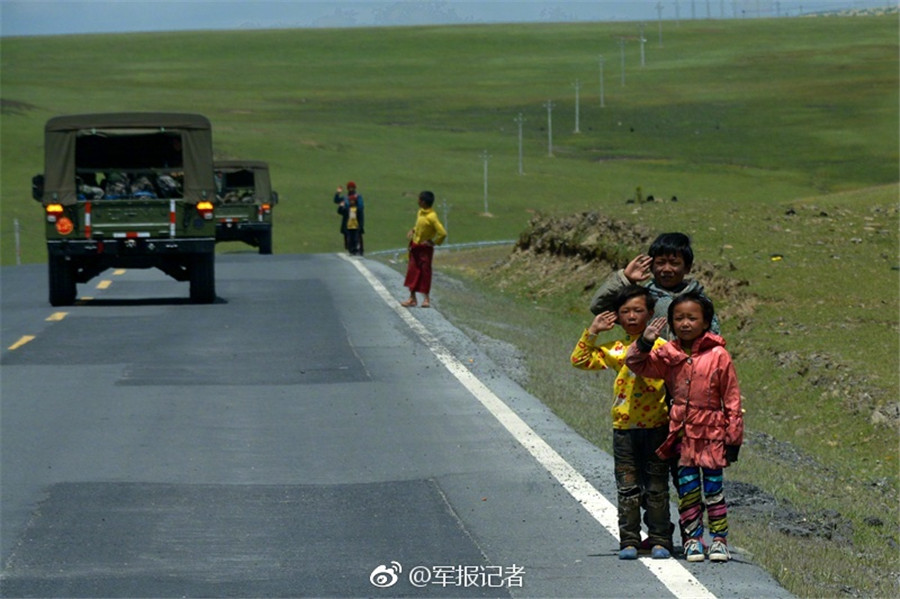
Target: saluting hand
(653,330)
(638,270)
(604,321)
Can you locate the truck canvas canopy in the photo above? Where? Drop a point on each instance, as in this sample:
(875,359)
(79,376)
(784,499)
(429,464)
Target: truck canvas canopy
(249,174)
(88,143)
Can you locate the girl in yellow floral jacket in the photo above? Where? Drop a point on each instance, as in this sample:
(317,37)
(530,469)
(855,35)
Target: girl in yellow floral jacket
(640,424)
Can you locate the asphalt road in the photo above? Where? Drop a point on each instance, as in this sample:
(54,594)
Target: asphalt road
(303,436)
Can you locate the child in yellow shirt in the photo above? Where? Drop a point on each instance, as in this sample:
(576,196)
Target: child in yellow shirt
(640,424)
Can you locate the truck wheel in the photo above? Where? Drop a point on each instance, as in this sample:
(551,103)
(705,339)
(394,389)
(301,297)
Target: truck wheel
(265,242)
(203,278)
(62,282)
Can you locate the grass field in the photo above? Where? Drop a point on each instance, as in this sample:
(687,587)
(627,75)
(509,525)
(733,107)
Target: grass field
(779,138)
(726,113)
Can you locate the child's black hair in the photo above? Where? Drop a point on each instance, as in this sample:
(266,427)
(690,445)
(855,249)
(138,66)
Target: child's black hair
(673,244)
(693,296)
(626,293)
(427,197)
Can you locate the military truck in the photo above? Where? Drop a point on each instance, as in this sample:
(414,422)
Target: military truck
(246,200)
(128,190)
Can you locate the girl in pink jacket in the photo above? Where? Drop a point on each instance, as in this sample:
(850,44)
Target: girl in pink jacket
(706,426)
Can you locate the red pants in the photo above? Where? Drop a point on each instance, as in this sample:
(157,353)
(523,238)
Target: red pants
(418,270)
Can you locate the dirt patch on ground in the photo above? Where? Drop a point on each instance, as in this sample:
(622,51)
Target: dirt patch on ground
(752,502)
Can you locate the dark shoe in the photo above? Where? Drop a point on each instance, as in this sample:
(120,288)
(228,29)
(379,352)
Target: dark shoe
(718,550)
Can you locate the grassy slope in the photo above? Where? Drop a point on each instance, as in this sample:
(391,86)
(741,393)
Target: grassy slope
(740,120)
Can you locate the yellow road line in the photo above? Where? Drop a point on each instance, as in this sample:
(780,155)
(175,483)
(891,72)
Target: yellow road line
(57,316)
(104,284)
(22,341)
(119,271)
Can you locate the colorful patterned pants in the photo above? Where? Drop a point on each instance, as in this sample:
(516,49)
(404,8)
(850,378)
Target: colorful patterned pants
(694,485)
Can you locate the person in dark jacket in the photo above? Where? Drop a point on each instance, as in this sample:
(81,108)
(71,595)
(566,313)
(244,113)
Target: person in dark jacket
(354,234)
(352,223)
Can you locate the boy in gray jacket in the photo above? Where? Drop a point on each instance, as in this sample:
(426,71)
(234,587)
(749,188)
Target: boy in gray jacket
(667,263)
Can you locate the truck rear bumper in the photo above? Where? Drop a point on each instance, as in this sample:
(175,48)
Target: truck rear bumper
(129,247)
(240,231)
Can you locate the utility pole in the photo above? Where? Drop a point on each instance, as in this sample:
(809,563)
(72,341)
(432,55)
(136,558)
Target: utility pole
(520,119)
(602,102)
(659,9)
(577,105)
(549,105)
(622,53)
(485,156)
(677,13)
(643,41)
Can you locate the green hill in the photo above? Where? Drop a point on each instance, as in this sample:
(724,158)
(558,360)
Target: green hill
(725,113)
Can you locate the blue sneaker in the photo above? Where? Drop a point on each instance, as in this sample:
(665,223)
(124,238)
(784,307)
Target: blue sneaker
(693,551)
(660,552)
(628,553)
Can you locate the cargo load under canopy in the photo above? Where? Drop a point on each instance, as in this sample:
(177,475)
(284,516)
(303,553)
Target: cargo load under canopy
(157,142)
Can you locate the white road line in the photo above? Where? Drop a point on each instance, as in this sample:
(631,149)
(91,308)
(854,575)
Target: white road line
(672,574)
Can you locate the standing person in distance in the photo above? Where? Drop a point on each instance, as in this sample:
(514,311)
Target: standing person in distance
(352,224)
(340,199)
(640,424)
(706,423)
(427,233)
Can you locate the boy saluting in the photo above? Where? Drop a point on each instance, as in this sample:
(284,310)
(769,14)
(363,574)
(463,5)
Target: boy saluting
(668,263)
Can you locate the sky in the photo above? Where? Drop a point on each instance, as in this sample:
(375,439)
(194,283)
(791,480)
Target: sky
(59,17)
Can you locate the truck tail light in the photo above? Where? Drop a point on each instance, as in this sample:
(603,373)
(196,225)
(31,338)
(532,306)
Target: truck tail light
(205,209)
(265,209)
(53,212)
